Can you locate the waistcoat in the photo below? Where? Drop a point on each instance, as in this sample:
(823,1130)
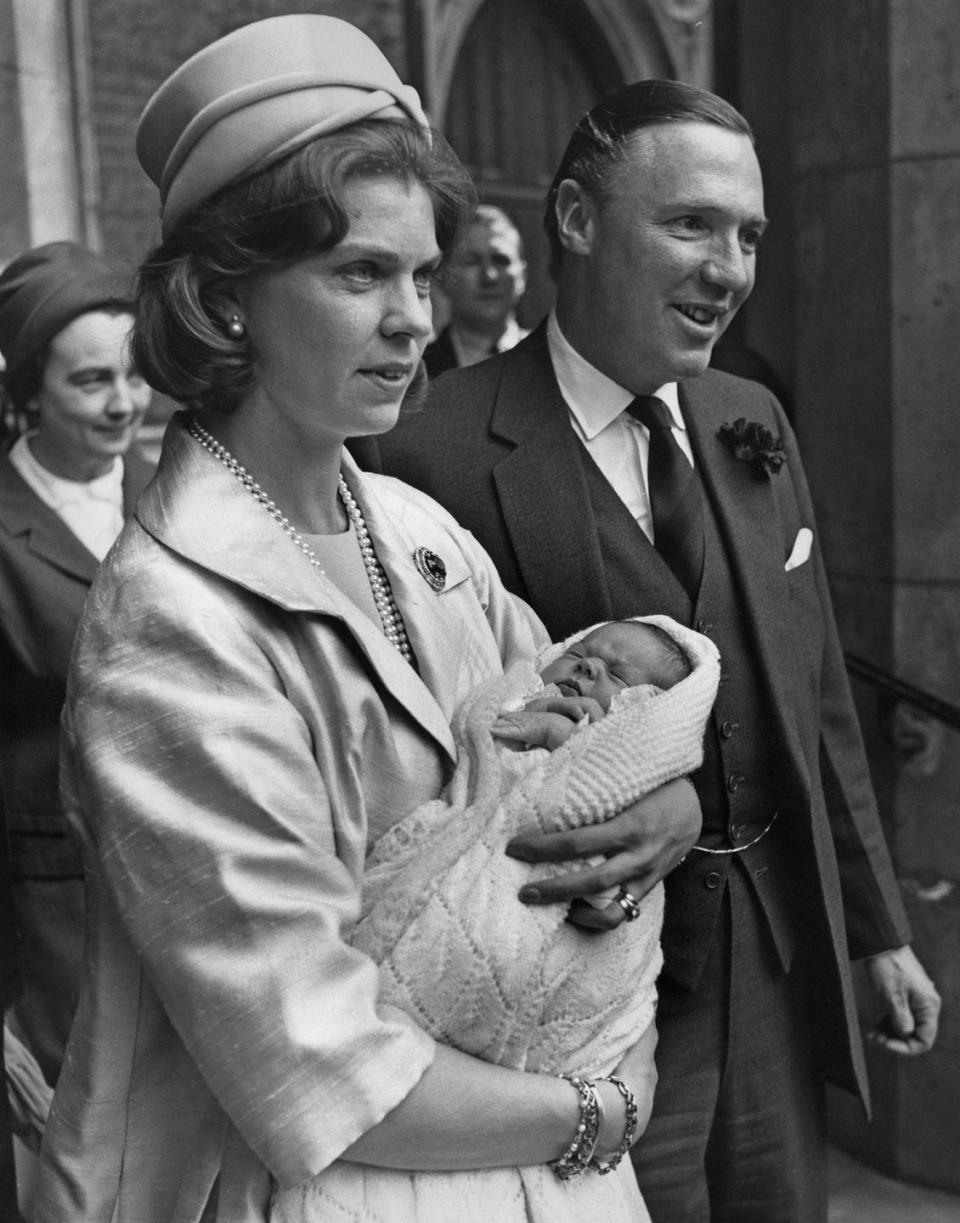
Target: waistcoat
(737,784)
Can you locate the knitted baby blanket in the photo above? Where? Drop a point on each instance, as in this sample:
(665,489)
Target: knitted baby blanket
(507,982)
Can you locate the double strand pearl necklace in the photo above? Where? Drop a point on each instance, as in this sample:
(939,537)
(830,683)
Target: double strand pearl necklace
(390,617)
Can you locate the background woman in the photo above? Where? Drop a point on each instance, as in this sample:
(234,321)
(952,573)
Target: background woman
(266,674)
(65,486)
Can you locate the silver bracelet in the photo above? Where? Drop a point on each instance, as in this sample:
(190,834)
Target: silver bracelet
(578,1156)
(629,1129)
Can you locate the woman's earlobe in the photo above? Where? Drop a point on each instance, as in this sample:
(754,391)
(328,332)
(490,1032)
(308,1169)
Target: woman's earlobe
(227,313)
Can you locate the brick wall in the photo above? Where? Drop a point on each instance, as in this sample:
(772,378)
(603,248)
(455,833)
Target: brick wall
(135,45)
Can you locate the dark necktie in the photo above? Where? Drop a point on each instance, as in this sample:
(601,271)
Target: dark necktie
(674,494)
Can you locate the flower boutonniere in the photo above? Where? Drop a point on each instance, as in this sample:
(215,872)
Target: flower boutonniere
(754,444)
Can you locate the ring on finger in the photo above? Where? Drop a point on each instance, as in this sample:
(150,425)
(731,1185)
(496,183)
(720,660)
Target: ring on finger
(629,903)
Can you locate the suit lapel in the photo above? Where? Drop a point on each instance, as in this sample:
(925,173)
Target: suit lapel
(436,639)
(542,489)
(22,512)
(752,531)
(249,549)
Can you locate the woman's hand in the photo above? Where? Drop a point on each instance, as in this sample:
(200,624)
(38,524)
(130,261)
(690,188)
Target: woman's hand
(638,1069)
(640,846)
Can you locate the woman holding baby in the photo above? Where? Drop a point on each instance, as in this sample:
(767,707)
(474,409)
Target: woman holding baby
(264,683)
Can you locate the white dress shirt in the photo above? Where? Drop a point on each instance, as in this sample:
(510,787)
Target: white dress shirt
(617,443)
(91,509)
(467,352)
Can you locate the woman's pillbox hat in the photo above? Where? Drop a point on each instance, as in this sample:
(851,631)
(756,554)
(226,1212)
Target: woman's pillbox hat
(48,287)
(255,95)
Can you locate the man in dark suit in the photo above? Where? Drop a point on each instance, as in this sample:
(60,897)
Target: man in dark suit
(484,281)
(610,473)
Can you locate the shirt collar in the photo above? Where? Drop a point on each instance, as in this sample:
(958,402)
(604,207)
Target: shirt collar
(595,400)
(512,335)
(107,488)
(467,353)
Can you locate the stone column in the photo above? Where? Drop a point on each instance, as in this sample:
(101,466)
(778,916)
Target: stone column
(14,210)
(870,144)
(47,108)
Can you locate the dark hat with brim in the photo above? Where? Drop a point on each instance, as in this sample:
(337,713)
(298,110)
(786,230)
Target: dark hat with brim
(47,288)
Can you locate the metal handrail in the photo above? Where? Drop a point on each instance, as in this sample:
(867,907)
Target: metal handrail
(918,697)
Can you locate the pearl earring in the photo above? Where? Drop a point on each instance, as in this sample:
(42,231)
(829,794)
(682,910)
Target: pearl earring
(235,328)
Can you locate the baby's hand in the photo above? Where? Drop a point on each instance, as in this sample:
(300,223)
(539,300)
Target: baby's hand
(533,728)
(574,707)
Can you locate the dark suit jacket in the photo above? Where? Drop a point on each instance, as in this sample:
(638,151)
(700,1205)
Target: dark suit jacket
(9,991)
(45,574)
(494,446)
(439,355)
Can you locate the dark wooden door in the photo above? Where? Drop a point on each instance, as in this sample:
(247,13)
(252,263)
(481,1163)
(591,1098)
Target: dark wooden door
(527,70)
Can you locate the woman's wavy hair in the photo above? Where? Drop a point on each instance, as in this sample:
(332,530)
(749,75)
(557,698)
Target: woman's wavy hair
(272,219)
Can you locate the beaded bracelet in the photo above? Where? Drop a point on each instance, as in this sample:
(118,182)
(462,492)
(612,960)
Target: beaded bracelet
(577,1158)
(629,1131)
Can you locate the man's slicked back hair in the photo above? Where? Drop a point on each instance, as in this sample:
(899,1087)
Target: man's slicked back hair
(602,137)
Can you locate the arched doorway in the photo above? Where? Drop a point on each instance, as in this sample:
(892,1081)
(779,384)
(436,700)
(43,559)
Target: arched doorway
(525,72)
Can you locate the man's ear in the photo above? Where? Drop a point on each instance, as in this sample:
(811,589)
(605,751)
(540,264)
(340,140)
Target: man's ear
(576,214)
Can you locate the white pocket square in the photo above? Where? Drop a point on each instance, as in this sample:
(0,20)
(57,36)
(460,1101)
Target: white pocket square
(801,549)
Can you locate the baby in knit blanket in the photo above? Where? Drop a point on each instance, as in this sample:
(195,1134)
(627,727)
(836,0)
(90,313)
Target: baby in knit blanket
(512,983)
(622,658)
(515,984)
(588,676)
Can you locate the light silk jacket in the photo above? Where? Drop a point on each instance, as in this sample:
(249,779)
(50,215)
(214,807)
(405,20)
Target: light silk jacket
(236,734)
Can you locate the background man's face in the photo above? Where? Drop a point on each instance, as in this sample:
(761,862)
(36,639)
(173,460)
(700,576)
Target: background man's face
(486,277)
(671,255)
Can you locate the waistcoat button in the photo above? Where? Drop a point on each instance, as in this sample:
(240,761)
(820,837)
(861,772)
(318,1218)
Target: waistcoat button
(734,781)
(728,728)
(711,880)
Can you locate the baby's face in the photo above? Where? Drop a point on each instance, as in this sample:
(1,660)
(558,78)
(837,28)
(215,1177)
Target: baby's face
(611,658)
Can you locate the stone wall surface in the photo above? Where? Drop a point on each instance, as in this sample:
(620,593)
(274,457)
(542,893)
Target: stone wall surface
(875,139)
(135,46)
